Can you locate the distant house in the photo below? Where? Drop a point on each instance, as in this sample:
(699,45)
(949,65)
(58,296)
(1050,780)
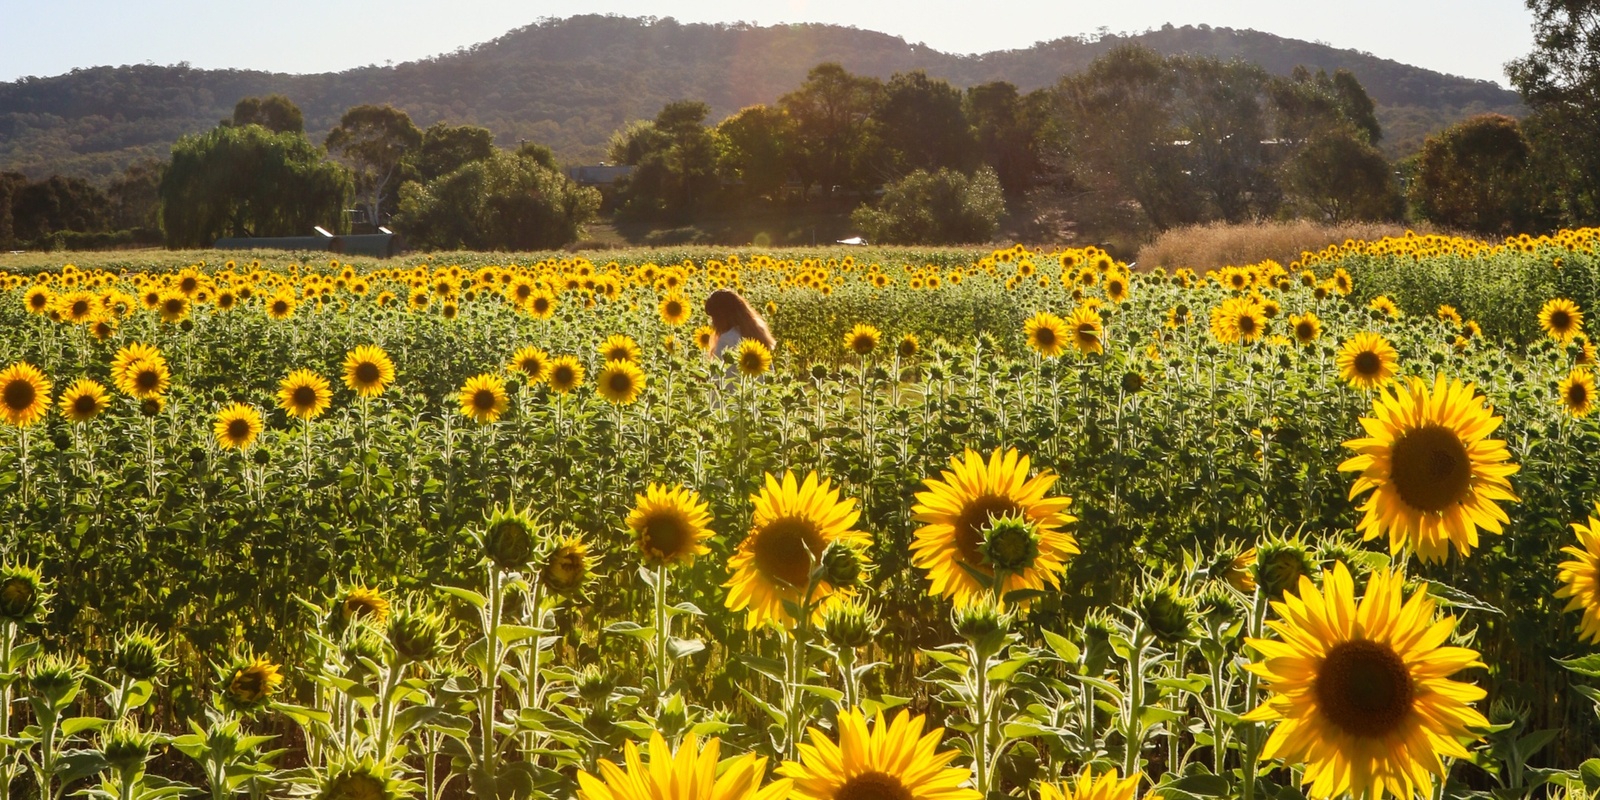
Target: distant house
(598,174)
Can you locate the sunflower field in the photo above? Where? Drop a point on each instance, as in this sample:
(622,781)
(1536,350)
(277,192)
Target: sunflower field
(1021,523)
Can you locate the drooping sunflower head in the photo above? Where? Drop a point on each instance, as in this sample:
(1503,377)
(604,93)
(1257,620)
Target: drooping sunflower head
(361,602)
(1046,334)
(793,524)
(248,684)
(1580,577)
(1450,316)
(24,394)
(1165,612)
(126,748)
(23,592)
(1089,786)
(1384,307)
(908,346)
(1086,330)
(566,567)
(304,394)
(1561,319)
(694,771)
(483,397)
(1577,392)
(862,339)
(753,357)
(1367,361)
(989,518)
(510,539)
(368,370)
(877,759)
(1360,693)
(360,780)
(84,400)
(1280,564)
(533,363)
(566,374)
(237,426)
(670,525)
(416,634)
(1434,475)
(620,382)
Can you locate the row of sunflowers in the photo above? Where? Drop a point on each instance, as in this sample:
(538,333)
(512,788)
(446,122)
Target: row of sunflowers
(1036,525)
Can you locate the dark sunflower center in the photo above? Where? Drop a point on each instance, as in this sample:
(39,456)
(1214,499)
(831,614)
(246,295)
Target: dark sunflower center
(19,395)
(85,404)
(1430,468)
(973,523)
(1304,331)
(1087,333)
(1577,395)
(248,684)
(541,305)
(1560,320)
(1046,337)
(483,400)
(174,305)
(147,380)
(1364,688)
(303,397)
(530,366)
(617,354)
(39,301)
(80,308)
(238,429)
(620,383)
(1367,363)
(367,372)
(1247,324)
(665,535)
(674,309)
(873,786)
(785,550)
(280,307)
(523,291)
(562,376)
(189,285)
(752,361)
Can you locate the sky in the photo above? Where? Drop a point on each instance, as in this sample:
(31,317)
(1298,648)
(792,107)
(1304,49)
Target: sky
(1473,38)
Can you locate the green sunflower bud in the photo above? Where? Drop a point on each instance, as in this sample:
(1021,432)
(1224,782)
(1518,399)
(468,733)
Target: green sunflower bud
(508,540)
(416,635)
(850,624)
(126,748)
(1217,604)
(1097,630)
(982,625)
(141,655)
(22,592)
(594,685)
(1165,612)
(674,715)
(1280,563)
(841,566)
(1010,544)
(55,675)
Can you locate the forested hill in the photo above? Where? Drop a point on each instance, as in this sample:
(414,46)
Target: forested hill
(570,83)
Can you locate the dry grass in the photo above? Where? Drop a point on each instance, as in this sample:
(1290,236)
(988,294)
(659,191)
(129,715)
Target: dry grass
(1220,244)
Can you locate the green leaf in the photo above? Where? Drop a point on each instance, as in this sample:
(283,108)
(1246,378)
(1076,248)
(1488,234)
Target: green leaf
(76,725)
(474,599)
(1062,646)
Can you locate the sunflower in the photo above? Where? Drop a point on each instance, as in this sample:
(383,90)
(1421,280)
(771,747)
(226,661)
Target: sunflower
(368,370)
(753,357)
(1577,392)
(1360,692)
(145,379)
(483,397)
(128,355)
(566,374)
(620,382)
(565,568)
(174,307)
(862,339)
(1116,287)
(969,529)
(237,426)
(24,394)
(793,523)
(619,347)
(363,602)
(1307,327)
(1561,319)
(533,363)
(250,683)
(1105,786)
(704,337)
(1450,316)
(541,305)
(304,394)
(881,760)
(84,400)
(908,346)
(692,772)
(281,305)
(1239,320)
(674,309)
(1434,475)
(669,526)
(1044,332)
(1580,578)
(1383,305)
(1367,361)
(1086,329)
(38,300)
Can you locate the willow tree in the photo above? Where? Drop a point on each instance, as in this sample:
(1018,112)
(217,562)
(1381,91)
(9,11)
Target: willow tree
(249,181)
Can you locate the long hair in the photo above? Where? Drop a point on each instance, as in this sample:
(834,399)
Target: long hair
(728,311)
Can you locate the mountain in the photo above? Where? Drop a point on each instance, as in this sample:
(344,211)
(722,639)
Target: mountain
(570,83)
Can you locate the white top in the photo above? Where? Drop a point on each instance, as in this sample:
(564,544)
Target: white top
(729,340)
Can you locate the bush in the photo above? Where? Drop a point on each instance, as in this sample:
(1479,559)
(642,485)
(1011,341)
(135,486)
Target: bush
(943,207)
(506,202)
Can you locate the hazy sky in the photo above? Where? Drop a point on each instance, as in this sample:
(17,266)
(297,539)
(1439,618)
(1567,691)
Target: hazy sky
(48,37)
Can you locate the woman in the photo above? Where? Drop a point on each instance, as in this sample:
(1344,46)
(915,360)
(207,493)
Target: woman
(734,321)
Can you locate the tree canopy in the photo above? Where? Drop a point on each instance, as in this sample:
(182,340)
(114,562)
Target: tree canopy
(249,181)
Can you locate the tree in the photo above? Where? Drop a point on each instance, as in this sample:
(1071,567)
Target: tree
(1341,176)
(753,149)
(1475,175)
(136,195)
(446,148)
(274,112)
(1008,128)
(249,181)
(675,161)
(943,207)
(1560,81)
(503,202)
(831,113)
(1220,114)
(374,142)
(922,125)
(58,204)
(10,184)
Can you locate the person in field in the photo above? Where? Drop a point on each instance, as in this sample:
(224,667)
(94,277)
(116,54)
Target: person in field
(734,321)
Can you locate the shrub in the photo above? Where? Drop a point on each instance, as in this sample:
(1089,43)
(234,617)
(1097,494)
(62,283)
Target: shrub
(943,207)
